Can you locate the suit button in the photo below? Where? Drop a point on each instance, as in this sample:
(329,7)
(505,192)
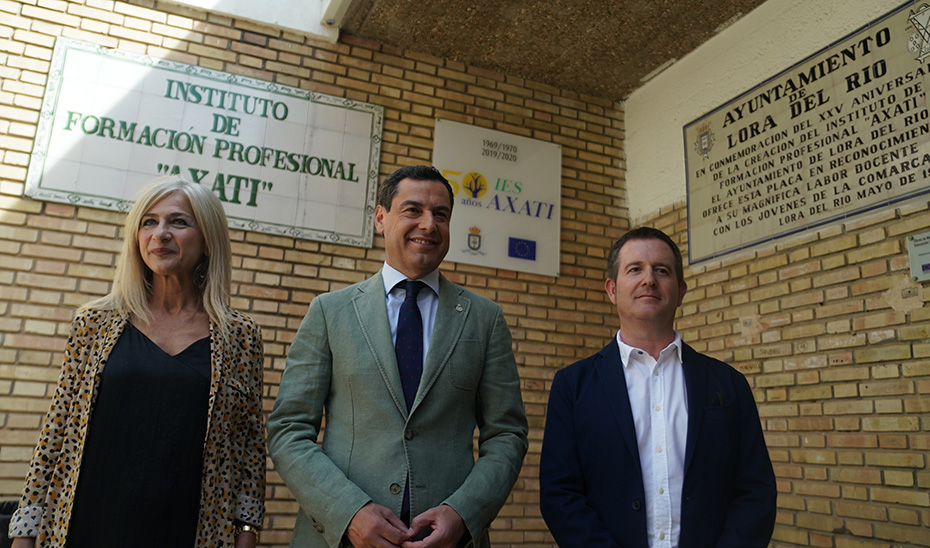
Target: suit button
(395,489)
(317,525)
(637,505)
(408,434)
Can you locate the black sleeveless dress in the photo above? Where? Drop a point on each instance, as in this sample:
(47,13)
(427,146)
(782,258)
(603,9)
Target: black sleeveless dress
(139,483)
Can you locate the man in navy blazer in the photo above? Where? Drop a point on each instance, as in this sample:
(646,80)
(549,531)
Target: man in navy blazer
(649,443)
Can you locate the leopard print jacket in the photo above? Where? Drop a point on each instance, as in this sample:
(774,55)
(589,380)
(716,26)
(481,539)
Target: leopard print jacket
(233,484)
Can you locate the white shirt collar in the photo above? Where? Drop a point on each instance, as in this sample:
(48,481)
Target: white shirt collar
(391,277)
(626,350)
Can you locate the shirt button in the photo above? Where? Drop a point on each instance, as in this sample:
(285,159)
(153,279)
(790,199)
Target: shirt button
(655,373)
(658,407)
(661,536)
(661,491)
(658,449)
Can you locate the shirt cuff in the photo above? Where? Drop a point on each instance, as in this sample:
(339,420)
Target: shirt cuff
(25,521)
(249,510)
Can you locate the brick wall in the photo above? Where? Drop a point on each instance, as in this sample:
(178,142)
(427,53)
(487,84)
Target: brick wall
(839,359)
(821,324)
(54,257)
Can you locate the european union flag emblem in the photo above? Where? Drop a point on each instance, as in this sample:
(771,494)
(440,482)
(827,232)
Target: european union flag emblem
(522,249)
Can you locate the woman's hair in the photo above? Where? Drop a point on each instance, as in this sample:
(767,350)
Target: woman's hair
(132,284)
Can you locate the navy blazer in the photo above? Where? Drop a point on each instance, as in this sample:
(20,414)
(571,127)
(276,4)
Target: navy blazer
(591,486)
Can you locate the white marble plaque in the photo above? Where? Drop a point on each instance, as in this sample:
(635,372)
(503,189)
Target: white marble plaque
(843,132)
(283,160)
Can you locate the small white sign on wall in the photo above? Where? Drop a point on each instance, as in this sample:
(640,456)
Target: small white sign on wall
(282,160)
(918,252)
(507,211)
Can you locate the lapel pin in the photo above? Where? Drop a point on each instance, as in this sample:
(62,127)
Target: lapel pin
(459,308)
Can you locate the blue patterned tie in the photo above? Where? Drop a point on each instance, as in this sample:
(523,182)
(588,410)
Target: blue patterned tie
(408,345)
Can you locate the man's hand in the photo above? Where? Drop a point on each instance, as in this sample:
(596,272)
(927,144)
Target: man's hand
(446,525)
(375,526)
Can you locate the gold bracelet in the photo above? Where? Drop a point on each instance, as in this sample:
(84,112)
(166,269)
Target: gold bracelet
(251,529)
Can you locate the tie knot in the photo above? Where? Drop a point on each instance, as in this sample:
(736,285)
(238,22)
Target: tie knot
(412,287)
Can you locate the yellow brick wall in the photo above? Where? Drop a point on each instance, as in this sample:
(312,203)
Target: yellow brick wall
(839,363)
(838,358)
(54,257)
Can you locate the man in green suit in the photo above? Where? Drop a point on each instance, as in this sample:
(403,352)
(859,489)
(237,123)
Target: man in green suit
(396,470)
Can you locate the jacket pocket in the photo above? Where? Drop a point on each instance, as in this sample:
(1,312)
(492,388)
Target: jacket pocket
(465,374)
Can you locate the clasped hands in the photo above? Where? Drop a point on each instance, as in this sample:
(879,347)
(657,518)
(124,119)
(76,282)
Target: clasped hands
(376,526)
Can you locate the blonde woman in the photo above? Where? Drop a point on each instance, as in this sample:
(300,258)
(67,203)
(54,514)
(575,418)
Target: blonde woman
(155,432)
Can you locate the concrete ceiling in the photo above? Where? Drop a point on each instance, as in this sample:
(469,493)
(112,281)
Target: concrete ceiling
(605,48)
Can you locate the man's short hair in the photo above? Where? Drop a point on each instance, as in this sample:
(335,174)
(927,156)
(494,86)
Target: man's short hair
(643,233)
(418,173)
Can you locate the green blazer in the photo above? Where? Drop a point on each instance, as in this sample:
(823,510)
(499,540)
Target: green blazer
(342,360)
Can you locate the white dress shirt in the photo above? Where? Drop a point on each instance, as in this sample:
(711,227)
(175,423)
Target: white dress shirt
(658,398)
(427,301)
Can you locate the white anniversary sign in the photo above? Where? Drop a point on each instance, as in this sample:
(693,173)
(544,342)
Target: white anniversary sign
(507,197)
(283,160)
